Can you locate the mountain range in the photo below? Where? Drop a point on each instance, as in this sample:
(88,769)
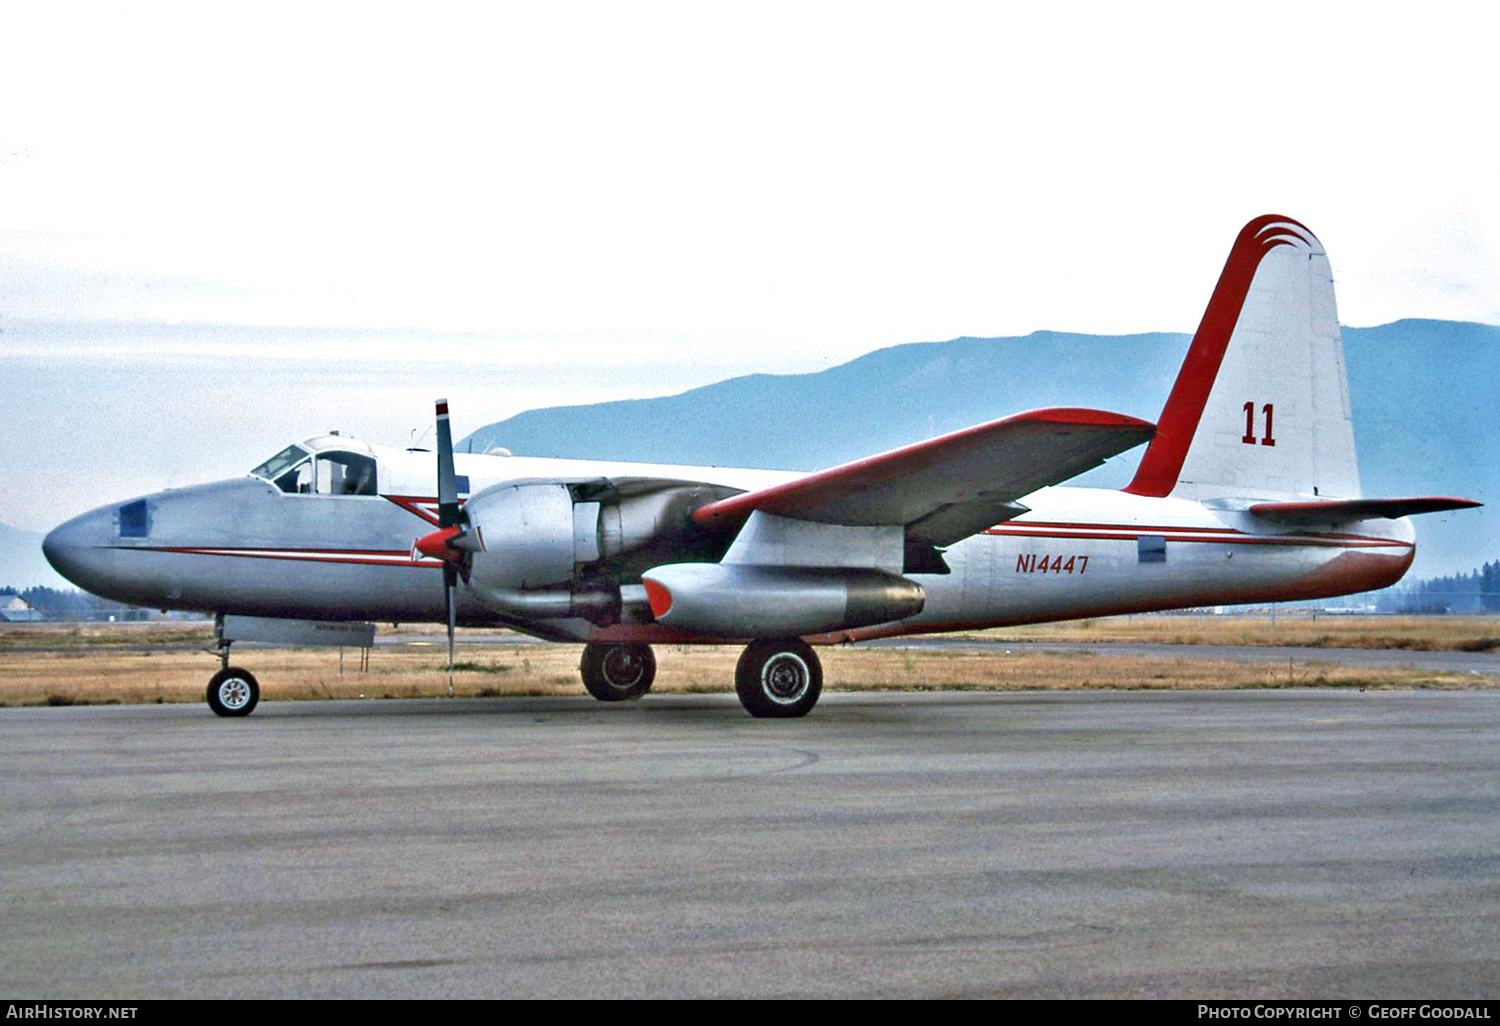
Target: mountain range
(1423,394)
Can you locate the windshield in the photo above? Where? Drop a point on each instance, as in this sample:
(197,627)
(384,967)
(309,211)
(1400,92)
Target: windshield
(272,468)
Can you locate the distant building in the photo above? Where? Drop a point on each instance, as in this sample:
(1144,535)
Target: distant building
(17,611)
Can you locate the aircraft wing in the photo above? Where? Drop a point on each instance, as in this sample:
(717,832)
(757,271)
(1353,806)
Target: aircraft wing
(949,487)
(1339,511)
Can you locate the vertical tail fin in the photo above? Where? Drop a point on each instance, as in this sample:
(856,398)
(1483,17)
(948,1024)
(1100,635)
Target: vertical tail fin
(1260,408)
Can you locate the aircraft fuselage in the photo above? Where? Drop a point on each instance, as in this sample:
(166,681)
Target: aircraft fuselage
(245,547)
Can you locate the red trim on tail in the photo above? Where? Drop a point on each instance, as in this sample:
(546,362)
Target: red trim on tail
(1157,474)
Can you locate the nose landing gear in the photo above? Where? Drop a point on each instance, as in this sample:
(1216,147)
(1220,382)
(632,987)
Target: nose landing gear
(232,691)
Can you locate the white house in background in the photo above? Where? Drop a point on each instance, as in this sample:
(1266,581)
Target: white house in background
(17,611)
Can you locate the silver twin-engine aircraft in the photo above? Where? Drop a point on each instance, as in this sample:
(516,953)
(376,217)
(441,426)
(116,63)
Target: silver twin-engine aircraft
(1248,492)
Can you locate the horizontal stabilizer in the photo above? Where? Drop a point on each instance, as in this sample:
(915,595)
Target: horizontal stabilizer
(990,465)
(1338,511)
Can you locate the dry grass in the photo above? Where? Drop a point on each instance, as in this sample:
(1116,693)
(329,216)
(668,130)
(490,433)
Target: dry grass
(79,676)
(1415,633)
(90,635)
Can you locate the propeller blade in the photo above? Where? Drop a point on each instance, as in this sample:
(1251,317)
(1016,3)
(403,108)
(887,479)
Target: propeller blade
(448,518)
(447,478)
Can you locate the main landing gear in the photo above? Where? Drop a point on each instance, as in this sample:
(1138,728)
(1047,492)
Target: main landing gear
(778,678)
(232,691)
(775,677)
(617,673)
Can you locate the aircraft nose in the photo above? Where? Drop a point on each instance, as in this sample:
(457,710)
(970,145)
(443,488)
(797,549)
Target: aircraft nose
(77,549)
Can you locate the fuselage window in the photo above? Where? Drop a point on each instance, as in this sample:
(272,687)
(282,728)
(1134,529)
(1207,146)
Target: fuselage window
(345,473)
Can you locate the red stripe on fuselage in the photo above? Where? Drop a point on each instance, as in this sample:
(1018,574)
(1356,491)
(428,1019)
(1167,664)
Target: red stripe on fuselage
(362,557)
(1215,535)
(1162,528)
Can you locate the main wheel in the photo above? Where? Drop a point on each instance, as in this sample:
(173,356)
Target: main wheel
(778,678)
(233,692)
(615,673)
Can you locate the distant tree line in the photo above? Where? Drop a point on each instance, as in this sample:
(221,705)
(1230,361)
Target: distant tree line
(1477,591)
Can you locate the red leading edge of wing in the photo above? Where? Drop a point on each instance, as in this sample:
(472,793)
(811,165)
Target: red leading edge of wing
(852,477)
(1157,474)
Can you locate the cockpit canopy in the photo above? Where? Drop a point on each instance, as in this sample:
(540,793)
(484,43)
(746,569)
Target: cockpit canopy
(300,470)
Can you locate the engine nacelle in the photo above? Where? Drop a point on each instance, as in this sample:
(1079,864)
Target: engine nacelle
(633,522)
(527,533)
(736,600)
(548,549)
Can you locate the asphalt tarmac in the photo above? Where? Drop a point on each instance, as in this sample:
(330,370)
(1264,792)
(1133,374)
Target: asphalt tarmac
(1300,843)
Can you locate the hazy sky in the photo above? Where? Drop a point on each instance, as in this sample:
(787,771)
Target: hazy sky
(527,204)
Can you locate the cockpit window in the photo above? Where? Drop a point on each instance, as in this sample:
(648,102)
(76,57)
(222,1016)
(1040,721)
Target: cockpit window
(282,461)
(296,472)
(345,473)
(298,480)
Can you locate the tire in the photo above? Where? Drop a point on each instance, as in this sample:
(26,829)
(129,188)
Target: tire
(233,692)
(617,673)
(778,678)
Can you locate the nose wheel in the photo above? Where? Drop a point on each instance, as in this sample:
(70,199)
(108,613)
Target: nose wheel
(233,692)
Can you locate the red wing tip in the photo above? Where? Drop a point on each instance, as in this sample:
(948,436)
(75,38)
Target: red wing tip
(1442,502)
